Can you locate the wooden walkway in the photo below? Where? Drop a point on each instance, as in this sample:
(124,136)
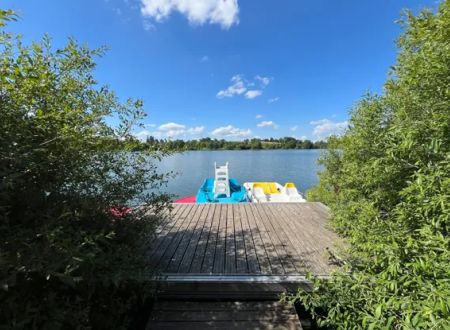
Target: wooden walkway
(243,239)
(223,266)
(223,315)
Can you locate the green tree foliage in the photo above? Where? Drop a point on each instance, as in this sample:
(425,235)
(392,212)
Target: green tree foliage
(71,255)
(387,182)
(214,144)
(6,16)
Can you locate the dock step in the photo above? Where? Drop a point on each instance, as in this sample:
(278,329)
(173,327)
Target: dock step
(176,314)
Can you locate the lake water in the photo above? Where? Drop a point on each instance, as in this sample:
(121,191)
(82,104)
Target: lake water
(298,166)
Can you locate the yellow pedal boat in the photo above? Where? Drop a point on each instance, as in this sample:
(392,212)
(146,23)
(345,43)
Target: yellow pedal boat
(273,192)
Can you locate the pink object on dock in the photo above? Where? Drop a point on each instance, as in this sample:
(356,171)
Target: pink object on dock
(185,200)
(120,211)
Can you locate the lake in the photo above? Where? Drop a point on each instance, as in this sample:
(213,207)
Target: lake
(298,166)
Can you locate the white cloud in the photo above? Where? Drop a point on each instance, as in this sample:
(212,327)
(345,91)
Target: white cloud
(258,116)
(196,130)
(273,99)
(148,26)
(294,128)
(142,135)
(173,134)
(169,131)
(303,137)
(231,132)
(324,128)
(265,81)
(251,94)
(267,123)
(222,12)
(172,126)
(237,87)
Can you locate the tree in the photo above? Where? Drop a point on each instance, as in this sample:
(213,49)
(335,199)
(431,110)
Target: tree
(387,182)
(214,144)
(289,143)
(75,205)
(255,144)
(307,144)
(6,16)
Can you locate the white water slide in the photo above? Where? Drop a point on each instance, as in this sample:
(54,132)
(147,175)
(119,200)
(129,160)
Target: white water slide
(221,181)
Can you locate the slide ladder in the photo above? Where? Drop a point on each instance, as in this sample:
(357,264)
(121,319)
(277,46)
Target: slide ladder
(221,181)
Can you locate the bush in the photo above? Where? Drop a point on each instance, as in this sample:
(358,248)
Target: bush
(387,182)
(71,254)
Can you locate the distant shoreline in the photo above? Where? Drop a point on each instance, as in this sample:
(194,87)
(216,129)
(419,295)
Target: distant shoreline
(286,143)
(281,149)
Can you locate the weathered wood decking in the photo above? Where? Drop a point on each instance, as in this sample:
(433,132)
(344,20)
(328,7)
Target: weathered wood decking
(223,315)
(285,239)
(223,266)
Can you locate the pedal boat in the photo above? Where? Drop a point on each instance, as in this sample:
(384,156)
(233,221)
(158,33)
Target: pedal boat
(221,189)
(273,192)
(206,193)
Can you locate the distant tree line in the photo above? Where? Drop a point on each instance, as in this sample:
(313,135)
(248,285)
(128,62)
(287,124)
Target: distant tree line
(215,144)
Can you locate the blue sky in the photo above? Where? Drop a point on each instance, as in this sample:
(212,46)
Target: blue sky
(231,69)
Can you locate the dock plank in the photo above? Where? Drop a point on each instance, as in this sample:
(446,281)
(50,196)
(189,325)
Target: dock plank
(188,257)
(312,245)
(322,210)
(230,243)
(262,255)
(250,250)
(174,305)
(241,255)
(219,255)
(164,227)
(159,247)
(296,235)
(176,239)
(208,258)
(223,315)
(284,232)
(275,261)
(188,239)
(312,223)
(275,231)
(199,253)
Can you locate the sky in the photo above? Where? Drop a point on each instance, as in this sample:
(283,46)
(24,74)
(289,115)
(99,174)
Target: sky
(231,69)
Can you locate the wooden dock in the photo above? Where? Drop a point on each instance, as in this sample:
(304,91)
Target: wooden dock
(224,266)
(285,239)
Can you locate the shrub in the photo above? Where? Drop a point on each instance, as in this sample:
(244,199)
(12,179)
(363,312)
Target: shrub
(387,182)
(66,259)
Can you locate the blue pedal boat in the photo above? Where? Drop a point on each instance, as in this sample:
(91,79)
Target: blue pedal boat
(221,189)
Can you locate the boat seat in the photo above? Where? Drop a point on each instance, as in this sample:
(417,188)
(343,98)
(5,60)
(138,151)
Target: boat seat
(269,188)
(290,189)
(259,194)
